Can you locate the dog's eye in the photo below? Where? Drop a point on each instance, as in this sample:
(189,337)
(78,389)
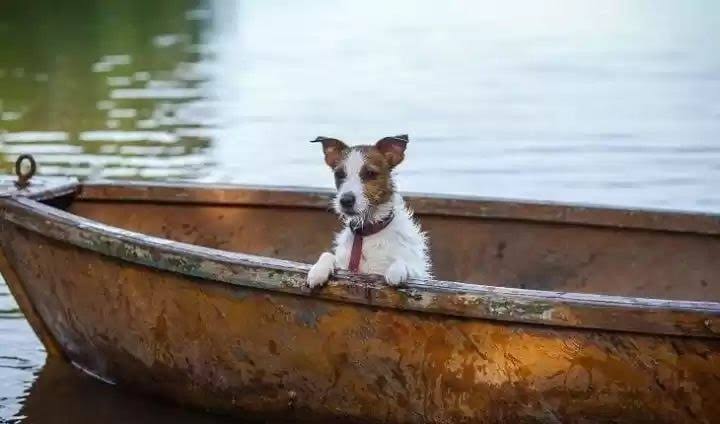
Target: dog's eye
(340,175)
(369,174)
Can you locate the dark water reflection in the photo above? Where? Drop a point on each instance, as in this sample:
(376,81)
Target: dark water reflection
(62,394)
(614,102)
(105,89)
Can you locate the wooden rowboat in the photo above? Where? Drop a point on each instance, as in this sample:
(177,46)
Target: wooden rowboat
(194,293)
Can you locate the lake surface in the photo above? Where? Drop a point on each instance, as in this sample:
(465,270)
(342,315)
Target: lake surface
(613,102)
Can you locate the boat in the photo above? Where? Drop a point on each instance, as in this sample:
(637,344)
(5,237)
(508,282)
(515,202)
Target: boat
(541,312)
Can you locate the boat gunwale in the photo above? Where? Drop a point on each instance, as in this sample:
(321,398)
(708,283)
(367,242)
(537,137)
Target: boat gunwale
(43,188)
(453,299)
(664,220)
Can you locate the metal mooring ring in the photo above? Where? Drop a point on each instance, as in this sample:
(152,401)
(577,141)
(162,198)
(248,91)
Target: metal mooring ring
(24,178)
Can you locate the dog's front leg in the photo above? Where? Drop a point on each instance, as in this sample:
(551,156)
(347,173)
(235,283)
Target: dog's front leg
(320,272)
(397,273)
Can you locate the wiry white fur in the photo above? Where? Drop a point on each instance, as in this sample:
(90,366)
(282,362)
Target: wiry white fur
(353,183)
(320,272)
(398,251)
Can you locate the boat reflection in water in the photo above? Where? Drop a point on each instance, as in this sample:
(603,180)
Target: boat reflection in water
(63,394)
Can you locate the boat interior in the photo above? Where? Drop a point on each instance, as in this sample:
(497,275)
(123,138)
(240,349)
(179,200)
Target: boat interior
(662,255)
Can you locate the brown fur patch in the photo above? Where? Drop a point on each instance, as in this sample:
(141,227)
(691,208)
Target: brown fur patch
(377,181)
(393,148)
(333,149)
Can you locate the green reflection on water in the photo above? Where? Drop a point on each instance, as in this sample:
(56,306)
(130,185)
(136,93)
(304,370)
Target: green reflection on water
(106,89)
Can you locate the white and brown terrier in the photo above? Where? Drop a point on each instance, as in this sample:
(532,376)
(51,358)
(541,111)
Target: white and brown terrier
(380,235)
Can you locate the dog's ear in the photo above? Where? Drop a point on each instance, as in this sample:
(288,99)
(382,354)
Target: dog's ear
(333,148)
(393,148)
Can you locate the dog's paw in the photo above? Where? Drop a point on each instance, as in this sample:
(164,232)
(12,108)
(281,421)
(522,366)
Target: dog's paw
(396,274)
(320,272)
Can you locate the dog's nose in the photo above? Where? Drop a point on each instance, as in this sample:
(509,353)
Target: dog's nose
(347,200)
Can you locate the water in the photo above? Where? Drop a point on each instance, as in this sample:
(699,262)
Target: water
(613,102)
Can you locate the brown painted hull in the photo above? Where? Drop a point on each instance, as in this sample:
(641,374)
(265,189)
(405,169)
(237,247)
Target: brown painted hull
(237,334)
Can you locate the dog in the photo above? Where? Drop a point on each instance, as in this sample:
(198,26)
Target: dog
(380,235)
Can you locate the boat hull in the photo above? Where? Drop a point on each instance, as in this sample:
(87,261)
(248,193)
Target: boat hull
(249,352)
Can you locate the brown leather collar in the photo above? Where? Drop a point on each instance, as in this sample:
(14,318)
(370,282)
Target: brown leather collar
(373,227)
(359,233)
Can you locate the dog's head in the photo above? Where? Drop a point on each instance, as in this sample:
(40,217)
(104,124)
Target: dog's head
(363,174)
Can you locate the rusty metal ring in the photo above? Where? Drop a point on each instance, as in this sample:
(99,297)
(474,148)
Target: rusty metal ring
(24,178)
